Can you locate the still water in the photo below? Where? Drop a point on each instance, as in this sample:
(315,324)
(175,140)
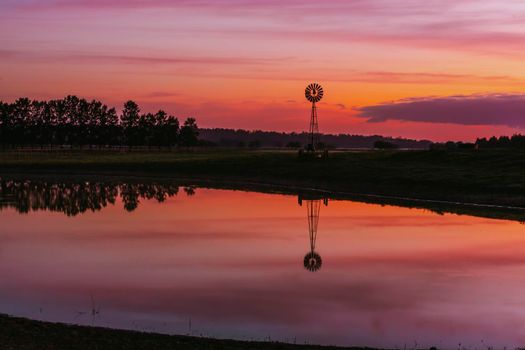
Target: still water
(246,265)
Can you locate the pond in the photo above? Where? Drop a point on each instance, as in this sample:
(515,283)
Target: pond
(249,265)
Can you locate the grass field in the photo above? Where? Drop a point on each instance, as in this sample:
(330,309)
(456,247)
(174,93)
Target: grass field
(24,334)
(484,176)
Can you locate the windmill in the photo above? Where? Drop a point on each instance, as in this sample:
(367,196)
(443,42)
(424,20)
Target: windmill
(313,93)
(312,260)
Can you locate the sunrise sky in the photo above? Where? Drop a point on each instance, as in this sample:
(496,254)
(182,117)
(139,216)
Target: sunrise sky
(421,69)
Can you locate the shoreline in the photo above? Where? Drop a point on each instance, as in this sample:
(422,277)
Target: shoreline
(213,182)
(464,182)
(26,334)
(492,211)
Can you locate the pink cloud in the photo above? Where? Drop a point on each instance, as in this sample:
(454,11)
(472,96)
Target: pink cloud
(84,57)
(466,25)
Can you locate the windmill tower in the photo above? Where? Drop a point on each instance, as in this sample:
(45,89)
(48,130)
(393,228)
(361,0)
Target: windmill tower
(313,93)
(312,260)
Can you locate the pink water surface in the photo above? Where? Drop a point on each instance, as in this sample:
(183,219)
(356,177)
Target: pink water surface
(229,264)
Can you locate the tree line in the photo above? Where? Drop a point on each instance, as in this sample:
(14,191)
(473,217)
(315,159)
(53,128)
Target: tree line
(503,142)
(238,138)
(515,141)
(77,122)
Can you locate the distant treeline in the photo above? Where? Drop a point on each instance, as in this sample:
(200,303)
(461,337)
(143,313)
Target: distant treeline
(78,122)
(514,142)
(254,139)
(75,198)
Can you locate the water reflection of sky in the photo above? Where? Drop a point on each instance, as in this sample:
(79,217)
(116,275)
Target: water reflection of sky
(232,262)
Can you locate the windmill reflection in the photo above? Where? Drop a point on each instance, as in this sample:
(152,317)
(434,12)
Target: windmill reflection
(312,260)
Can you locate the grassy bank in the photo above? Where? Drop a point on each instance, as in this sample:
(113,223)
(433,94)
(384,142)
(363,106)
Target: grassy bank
(487,176)
(24,334)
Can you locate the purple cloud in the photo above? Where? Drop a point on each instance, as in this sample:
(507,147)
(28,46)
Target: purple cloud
(493,109)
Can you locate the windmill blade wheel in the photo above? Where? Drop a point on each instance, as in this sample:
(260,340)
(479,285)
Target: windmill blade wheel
(314,92)
(312,261)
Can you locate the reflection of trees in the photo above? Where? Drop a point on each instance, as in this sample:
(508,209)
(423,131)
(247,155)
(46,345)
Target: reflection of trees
(189,190)
(79,197)
(130,196)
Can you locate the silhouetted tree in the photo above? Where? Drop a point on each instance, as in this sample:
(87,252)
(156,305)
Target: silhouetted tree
(20,114)
(170,132)
(5,124)
(129,120)
(76,121)
(158,133)
(189,133)
(515,141)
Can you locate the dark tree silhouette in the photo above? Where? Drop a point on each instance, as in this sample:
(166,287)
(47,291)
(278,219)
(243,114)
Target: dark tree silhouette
(170,131)
(5,124)
(189,133)
(74,121)
(515,141)
(130,121)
